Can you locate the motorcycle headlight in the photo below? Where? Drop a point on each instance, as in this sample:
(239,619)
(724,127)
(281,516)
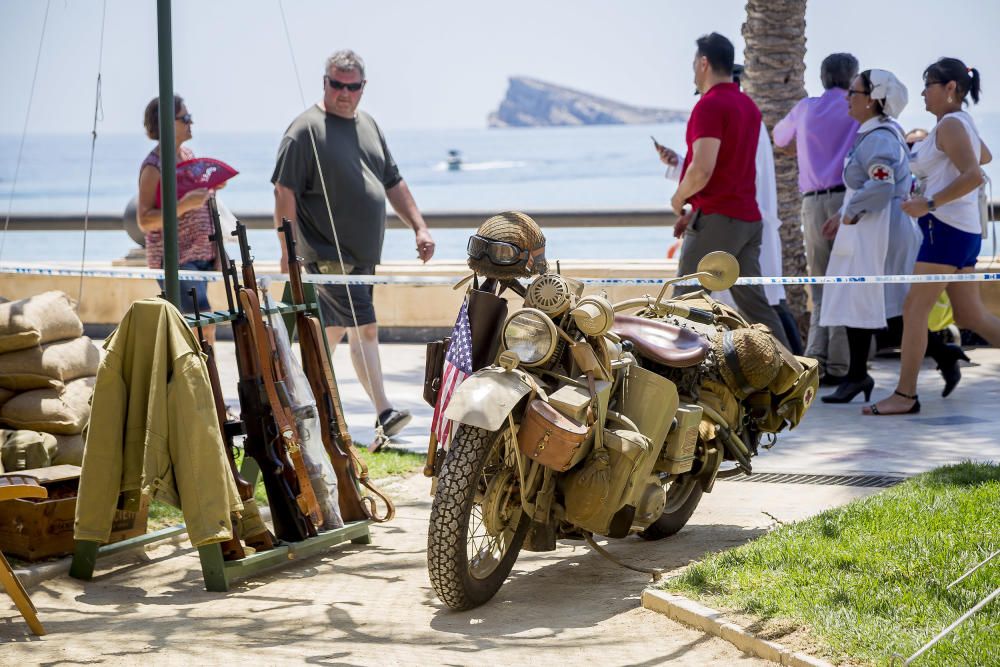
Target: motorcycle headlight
(531,335)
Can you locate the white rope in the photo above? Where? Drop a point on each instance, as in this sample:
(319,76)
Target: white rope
(425,281)
(24,130)
(98,115)
(329,211)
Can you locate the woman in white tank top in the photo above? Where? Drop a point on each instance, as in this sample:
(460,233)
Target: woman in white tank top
(948,166)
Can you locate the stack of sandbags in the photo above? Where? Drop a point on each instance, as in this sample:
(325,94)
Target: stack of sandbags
(47,369)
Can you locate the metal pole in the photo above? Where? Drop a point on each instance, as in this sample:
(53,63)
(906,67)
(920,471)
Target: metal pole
(168,153)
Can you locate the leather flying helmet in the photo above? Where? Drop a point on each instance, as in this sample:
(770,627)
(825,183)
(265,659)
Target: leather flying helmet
(508,245)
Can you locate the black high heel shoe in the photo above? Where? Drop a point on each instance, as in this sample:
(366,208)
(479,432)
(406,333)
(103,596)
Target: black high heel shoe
(947,357)
(848,389)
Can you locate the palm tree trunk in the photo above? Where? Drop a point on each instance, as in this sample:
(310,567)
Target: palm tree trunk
(775,64)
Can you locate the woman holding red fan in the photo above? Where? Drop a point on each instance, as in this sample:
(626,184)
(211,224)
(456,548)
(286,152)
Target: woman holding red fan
(194,224)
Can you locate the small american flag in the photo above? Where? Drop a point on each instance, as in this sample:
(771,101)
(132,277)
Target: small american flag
(457,367)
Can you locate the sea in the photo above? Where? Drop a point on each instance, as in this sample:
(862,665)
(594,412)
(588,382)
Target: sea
(592,168)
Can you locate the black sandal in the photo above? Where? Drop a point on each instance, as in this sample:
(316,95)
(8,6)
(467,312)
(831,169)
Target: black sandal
(914,409)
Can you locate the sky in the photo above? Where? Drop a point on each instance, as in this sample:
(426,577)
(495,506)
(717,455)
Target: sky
(432,63)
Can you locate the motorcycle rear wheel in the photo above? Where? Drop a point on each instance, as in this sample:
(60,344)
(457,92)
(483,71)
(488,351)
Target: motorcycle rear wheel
(683,497)
(469,555)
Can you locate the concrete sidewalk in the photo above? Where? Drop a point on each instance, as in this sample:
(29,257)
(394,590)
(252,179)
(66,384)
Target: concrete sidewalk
(832,439)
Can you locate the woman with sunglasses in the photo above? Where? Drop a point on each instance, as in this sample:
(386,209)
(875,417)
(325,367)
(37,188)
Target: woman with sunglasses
(948,166)
(195,252)
(873,235)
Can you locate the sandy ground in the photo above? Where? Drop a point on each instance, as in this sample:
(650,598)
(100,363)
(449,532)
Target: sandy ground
(368,605)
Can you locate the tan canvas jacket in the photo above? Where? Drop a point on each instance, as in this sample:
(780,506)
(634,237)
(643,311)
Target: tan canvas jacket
(153,428)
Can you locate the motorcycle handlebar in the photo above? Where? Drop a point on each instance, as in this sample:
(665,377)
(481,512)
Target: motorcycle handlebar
(672,308)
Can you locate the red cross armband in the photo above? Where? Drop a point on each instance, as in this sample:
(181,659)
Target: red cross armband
(882,173)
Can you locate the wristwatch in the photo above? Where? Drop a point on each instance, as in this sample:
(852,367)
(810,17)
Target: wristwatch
(930,204)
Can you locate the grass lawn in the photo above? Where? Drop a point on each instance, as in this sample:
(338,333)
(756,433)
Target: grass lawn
(386,463)
(869,579)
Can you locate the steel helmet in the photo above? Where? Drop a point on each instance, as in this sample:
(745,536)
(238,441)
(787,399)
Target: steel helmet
(508,245)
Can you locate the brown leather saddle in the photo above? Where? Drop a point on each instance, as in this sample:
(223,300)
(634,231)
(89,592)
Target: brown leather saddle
(666,343)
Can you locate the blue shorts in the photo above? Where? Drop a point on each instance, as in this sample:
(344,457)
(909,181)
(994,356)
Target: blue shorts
(944,244)
(200,286)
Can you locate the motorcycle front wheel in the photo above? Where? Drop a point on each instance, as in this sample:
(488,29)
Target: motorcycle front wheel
(477,525)
(683,497)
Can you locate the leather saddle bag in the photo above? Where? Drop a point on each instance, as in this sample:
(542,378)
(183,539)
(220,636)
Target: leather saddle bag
(434,369)
(550,437)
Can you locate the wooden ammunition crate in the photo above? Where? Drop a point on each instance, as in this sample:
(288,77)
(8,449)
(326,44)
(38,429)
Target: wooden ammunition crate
(43,528)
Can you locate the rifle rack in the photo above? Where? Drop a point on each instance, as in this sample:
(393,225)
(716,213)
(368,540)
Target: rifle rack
(217,572)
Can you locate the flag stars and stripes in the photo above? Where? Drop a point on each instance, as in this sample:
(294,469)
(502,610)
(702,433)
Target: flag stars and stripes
(457,367)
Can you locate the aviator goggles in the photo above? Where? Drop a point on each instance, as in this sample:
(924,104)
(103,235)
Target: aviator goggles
(340,85)
(501,253)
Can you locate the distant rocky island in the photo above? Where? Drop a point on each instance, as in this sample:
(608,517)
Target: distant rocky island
(534,103)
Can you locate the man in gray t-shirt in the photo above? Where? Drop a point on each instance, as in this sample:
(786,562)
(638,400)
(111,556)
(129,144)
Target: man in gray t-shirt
(335,155)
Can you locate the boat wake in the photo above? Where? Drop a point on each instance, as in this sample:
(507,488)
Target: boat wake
(482,166)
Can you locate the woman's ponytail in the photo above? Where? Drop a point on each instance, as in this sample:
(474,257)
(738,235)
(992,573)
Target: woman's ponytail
(974,83)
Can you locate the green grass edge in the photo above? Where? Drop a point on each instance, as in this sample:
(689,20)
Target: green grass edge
(868,580)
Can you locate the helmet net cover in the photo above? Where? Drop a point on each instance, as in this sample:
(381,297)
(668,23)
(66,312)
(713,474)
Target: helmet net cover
(511,227)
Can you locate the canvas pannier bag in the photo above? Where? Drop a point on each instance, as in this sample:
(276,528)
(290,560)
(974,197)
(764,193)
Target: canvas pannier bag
(596,492)
(550,437)
(773,412)
(63,412)
(39,319)
(26,450)
(50,365)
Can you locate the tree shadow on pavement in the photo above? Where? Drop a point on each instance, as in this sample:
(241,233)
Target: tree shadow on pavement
(574,576)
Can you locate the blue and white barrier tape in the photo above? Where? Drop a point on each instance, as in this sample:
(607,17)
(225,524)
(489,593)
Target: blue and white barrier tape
(417,281)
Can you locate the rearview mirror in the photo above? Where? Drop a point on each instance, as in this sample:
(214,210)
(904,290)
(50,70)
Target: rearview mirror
(719,271)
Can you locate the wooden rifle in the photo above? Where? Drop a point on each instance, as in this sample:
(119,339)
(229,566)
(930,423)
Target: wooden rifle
(262,442)
(336,438)
(287,440)
(255,533)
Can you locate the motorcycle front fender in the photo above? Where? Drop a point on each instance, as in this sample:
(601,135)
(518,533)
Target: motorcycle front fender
(486,398)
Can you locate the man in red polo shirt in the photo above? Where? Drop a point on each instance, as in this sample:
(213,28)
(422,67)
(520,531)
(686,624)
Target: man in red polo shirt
(717,179)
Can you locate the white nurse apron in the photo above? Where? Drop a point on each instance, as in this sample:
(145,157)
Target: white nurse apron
(858,250)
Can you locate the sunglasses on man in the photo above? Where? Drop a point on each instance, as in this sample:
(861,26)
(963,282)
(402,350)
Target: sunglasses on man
(186,118)
(340,85)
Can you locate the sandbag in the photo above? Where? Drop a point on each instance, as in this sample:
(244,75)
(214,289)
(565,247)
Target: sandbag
(39,319)
(49,366)
(70,449)
(63,412)
(26,450)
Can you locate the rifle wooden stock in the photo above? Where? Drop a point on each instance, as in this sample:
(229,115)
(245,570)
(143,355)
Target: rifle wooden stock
(336,438)
(262,441)
(295,471)
(305,496)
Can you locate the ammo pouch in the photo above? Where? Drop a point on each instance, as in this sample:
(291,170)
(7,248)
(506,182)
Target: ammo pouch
(596,493)
(434,369)
(550,437)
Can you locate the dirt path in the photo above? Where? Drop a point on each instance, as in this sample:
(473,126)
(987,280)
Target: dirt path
(366,605)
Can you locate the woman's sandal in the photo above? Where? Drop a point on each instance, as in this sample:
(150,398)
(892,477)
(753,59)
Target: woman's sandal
(914,409)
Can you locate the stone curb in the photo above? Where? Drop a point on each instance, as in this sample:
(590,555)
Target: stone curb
(710,621)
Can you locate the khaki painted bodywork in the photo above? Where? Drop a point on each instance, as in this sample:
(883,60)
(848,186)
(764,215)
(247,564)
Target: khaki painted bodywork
(486,398)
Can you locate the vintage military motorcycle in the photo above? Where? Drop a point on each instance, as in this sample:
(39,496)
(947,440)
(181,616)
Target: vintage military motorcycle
(597,422)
